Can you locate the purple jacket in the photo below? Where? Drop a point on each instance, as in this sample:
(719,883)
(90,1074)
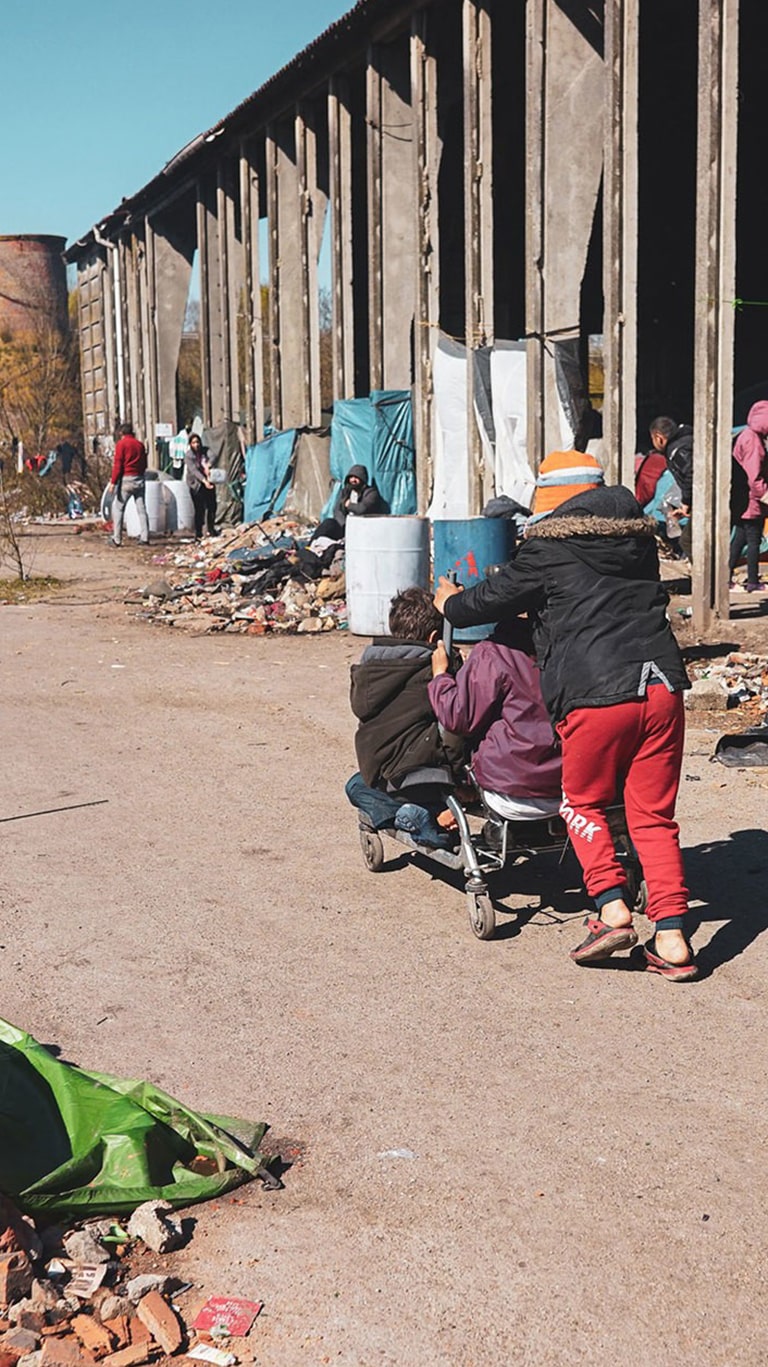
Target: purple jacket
(496,700)
(749,451)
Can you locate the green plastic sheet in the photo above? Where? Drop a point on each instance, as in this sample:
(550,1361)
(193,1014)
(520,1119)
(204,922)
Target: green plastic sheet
(79,1143)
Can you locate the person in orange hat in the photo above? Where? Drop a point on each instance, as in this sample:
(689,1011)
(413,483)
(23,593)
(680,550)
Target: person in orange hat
(612,678)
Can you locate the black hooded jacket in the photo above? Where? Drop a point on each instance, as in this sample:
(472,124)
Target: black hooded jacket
(398,733)
(588,575)
(367,500)
(679,455)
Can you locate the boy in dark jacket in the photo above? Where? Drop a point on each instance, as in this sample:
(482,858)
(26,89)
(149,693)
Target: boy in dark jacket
(357,497)
(407,763)
(612,677)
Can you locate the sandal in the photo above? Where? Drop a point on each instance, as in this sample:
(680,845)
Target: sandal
(677,973)
(602,941)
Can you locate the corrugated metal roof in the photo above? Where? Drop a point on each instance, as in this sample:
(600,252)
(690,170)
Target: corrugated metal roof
(320,58)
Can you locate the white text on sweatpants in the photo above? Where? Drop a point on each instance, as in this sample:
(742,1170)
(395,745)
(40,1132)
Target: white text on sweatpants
(577,824)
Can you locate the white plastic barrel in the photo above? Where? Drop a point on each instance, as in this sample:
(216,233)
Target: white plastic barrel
(181,510)
(383,555)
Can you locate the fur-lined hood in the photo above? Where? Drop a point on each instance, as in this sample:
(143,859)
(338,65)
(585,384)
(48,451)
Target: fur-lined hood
(558,527)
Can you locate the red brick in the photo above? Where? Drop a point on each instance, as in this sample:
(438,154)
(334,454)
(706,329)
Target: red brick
(15,1277)
(63,1352)
(161,1321)
(93,1336)
(131,1356)
(119,1328)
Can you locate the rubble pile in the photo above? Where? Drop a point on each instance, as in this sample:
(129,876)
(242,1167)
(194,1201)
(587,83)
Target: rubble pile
(255,580)
(742,679)
(69,1298)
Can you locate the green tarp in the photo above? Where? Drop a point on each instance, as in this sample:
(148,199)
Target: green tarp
(80,1143)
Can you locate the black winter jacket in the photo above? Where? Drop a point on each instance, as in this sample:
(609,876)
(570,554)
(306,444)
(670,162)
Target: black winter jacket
(365,501)
(588,575)
(398,732)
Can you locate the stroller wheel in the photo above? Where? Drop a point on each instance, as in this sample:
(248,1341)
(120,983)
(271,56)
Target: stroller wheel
(482,917)
(373,849)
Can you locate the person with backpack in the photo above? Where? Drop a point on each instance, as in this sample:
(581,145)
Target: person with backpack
(675,441)
(749,495)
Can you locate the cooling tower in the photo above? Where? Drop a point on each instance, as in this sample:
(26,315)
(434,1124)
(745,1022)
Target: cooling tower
(33,284)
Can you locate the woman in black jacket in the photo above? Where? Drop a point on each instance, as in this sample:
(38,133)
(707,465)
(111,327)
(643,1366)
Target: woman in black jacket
(612,677)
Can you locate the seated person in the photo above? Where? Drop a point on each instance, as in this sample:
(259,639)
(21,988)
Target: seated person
(495,699)
(407,763)
(356,498)
(660,498)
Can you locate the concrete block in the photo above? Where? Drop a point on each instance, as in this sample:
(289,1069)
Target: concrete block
(154,1224)
(706,695)
(20,1341)
(148,1281)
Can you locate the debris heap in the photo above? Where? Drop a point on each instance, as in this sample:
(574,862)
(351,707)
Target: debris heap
(71,1298)
(743,679)
(260,578)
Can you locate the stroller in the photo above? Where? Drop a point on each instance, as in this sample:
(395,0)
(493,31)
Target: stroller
(487,844)
(496,845)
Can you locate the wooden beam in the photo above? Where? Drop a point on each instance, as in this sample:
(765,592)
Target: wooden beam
(714,321)
(426,165)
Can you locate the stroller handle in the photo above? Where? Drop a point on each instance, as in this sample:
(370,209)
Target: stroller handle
(452,578)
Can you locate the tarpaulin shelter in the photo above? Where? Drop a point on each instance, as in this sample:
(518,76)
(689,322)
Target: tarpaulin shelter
(376,432)
(79,1143)
(268,470)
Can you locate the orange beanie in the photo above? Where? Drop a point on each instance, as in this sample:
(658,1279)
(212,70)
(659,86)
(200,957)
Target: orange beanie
(563,475)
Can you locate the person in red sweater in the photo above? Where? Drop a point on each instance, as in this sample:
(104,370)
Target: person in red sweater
(128,470)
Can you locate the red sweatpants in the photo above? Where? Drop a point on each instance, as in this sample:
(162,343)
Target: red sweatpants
(638,745)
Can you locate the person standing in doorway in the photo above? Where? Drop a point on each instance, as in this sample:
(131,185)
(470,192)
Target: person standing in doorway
(128,470)
(198,472)
(749,497)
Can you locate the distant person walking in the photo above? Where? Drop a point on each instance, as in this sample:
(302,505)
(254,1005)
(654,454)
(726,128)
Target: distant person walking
(749,495)
(128,470)
(198,472)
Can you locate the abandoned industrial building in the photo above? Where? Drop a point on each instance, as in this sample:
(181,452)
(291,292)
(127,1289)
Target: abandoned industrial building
(486,185)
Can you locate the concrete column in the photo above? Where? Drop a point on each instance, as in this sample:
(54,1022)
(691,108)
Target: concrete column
(124,260)
(340,165)
(254,364)
(392,230)
(620,238)
(214,323)
(564,159)
(478,222)
(173,247)
(229,273)
(134,250)
(425,166)
(149,324)
(95,322)
(714,293)
(289,203)
(312,209)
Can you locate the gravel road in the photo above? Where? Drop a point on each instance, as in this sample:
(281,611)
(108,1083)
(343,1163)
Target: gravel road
(583,1175)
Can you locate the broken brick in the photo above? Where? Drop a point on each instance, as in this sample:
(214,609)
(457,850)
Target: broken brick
(20,1341)
(132,1356)
(93,1336)
(161,1321)
(15,1277)
(119,1328)
(63,1352)
(138,1332)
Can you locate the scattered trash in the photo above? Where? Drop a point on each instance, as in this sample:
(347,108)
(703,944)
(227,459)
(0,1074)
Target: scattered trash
(748,750)
(221,1316)
(261,578)
(741,678)
(397,1153)
(205,1352)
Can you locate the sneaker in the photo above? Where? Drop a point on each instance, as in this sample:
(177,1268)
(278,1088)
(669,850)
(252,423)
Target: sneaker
(421,825)
(756,586)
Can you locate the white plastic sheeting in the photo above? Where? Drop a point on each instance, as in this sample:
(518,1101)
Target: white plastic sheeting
(504,444)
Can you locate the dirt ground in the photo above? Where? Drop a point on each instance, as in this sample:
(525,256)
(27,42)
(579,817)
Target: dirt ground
(584,1178)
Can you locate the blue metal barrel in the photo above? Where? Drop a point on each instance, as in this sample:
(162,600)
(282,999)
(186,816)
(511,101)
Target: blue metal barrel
(469,546)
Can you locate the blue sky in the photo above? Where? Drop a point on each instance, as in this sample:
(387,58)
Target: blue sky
(98,96)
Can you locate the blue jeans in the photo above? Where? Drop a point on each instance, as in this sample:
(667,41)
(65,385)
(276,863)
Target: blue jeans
(380,808)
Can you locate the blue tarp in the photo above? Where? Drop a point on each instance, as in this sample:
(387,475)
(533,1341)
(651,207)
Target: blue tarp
(378,433)
(268,471)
